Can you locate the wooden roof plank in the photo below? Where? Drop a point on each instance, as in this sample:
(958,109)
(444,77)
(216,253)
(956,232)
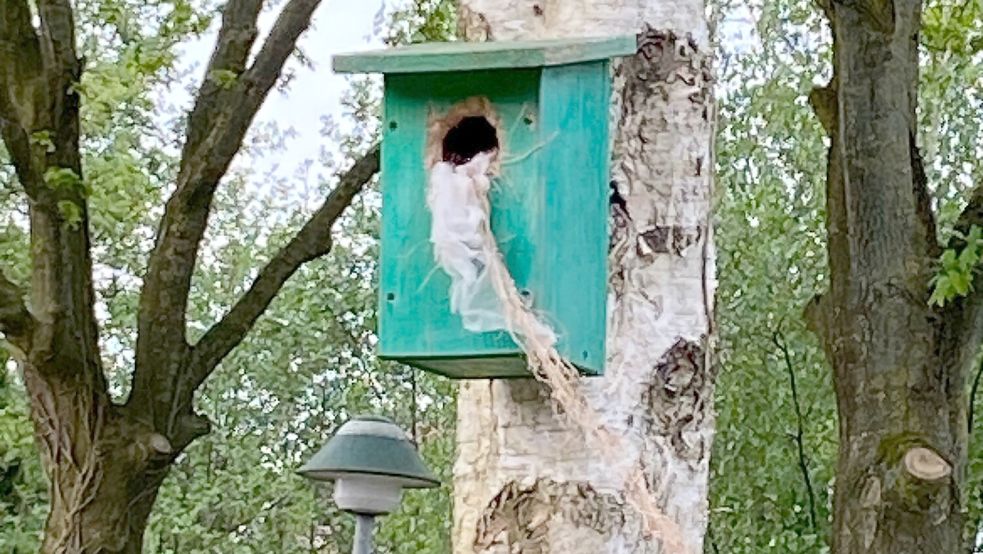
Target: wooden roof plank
(469,56)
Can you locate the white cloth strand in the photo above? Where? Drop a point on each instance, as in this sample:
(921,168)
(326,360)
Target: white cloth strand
(458,230)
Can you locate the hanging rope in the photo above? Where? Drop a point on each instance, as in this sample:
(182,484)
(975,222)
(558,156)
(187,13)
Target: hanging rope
(483,263)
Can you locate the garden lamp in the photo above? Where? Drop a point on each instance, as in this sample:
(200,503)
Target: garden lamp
(370,460)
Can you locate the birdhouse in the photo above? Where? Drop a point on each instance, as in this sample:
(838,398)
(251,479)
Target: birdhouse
(542,109)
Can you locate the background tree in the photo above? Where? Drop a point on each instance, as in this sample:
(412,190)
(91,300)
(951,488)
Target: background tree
(771,236)
(106,459)
(900,363)
(282,391)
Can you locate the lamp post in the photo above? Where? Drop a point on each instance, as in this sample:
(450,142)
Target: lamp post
(370,460)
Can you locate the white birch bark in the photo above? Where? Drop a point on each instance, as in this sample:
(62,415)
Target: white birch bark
(524,480)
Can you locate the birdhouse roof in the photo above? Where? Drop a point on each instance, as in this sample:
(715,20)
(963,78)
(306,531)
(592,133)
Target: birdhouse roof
(469,56)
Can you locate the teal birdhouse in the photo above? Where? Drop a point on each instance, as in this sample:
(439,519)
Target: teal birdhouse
(542,108)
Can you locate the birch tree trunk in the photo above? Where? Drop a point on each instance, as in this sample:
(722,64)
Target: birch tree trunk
(524,479)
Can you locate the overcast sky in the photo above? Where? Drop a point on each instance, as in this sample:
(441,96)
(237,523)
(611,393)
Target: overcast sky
(339,26)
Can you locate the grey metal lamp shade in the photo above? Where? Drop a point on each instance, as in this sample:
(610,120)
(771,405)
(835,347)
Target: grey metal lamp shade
(370,446)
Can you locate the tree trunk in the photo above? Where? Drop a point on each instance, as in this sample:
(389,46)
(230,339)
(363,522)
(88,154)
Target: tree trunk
(524,481)
(899,365)
(103,469)
(114,521)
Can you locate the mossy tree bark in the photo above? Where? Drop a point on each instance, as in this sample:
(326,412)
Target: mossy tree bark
(899,364)
(105,460)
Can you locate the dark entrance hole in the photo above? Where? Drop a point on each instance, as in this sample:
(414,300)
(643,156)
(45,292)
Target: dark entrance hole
(472,136)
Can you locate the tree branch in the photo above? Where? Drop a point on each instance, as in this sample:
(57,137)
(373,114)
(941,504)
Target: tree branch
(20,94)
(217,128)
(235,40)
(779,339)
(16,322)
(312,241)
(39,115)
(58,36)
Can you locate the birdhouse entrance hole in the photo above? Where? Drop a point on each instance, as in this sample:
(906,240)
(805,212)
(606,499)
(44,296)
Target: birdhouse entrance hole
(465,130)
(471,136)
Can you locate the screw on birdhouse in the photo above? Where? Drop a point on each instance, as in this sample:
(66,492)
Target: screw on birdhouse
(537,10)
(527,297)
(393,125)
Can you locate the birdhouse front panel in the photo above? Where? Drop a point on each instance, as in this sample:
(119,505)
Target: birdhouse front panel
(546,121)
(415,320)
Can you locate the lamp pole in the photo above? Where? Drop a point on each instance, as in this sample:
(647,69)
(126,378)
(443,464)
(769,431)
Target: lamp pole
(364,526)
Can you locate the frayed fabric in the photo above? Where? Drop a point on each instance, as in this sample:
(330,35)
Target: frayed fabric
(454,199)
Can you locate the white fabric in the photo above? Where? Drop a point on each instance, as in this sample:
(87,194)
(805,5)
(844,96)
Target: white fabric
(455,202)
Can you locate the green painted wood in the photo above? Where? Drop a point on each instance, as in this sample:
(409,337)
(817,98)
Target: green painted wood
(471,56)
(575,171)
(415,318)
(498,367)
(549,207)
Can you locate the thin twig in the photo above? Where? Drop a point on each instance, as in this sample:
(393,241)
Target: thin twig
(779,339)
(713,538)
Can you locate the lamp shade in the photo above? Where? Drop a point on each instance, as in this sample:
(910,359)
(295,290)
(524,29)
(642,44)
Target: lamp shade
(371,460)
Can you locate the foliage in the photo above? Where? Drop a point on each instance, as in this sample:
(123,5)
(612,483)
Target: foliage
(955,275)
(22,489)
(308,364)
(771,243)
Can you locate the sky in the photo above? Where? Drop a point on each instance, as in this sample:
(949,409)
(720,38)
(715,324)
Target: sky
(339,26)
(314,93)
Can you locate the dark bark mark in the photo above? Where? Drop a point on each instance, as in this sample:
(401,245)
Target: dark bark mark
(666,56)
(678,398)
(923,199)
(672,239)
(473,26)
(519,517)
(974,389)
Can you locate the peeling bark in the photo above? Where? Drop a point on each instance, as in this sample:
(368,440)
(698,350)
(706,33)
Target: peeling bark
(520,517)
(520,467)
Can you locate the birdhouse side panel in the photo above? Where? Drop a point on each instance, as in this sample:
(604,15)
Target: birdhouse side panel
(416,322)
(575,106)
